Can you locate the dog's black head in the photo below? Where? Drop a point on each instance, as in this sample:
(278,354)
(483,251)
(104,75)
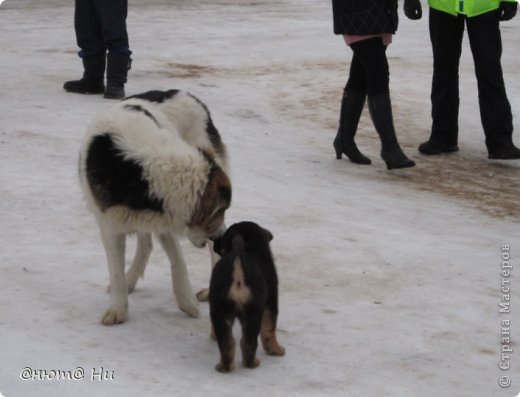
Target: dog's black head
(251,233)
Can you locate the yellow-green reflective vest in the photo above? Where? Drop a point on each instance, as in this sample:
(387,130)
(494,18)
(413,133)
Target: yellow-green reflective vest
(470,8)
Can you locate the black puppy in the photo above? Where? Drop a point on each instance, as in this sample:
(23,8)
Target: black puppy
(244,284)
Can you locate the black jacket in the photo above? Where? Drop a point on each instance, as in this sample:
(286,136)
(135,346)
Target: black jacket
(361,17)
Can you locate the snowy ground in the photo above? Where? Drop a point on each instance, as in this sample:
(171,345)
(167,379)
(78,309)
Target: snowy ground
(389,281)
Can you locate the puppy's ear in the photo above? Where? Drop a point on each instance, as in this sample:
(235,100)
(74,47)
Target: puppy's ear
(217,245)
(222,245)
(227,243)
(267,234)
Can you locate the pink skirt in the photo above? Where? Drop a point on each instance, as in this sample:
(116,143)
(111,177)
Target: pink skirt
(349,38)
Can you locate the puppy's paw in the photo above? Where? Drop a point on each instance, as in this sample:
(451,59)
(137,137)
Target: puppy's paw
(271,345)
(276,350)
(203,295)
(252,364)
(115,316)
(223,369)
(189,305)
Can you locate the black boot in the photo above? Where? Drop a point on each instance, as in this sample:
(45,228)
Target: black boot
(437,146)
(505,150)
(118,66)
(380,109)
(351,108)
(92,80)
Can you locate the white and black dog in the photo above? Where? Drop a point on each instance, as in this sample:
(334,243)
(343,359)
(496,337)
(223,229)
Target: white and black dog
(154,163)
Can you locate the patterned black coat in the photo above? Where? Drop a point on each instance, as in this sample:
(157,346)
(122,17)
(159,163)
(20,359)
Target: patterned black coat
(359,17)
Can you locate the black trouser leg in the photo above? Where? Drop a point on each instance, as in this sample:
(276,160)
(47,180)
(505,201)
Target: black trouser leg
(90,40)
(446,33)
(89,34)
(100,26)
(112,15)
(495,110)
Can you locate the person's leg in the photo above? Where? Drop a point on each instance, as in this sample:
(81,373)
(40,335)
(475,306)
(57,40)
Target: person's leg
(446,33)
(88,29)
(112,15)
(92,50)
(495,110)
(372,55)
(352,105)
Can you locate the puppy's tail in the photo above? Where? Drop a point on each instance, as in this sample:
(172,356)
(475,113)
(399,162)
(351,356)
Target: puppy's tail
(237,245)
(239,292)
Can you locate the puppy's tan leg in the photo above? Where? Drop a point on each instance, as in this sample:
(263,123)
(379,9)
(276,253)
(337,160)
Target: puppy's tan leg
(268,335)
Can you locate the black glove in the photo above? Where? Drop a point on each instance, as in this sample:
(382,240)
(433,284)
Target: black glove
(507,10)
(413,9)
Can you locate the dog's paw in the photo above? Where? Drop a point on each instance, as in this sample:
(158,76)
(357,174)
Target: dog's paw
(276,350)
(223,369)
(189,305)
(203,295)
(271,345)
(113,316)
(255,363)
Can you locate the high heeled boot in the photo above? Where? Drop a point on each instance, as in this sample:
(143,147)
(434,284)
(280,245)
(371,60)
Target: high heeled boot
(351,107)
(380,108)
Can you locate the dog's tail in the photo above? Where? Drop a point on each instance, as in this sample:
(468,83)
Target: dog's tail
(237,245)
(239,291)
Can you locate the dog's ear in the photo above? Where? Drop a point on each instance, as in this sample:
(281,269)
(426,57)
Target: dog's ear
(227,243)
(267,234)
(217,245)
(222,245)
